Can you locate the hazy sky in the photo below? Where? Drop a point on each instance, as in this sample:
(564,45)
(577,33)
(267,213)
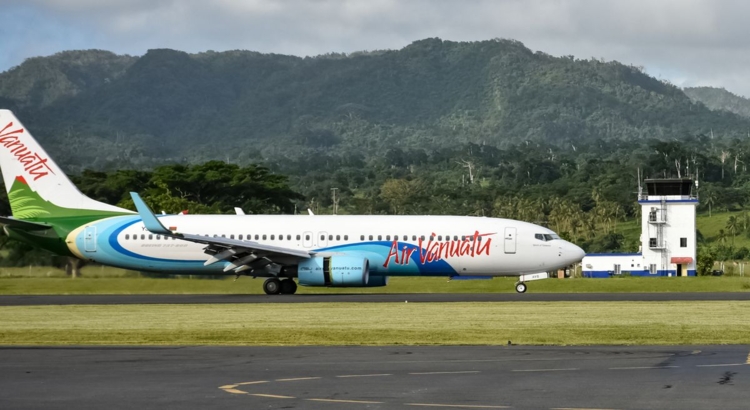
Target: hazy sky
(689,42)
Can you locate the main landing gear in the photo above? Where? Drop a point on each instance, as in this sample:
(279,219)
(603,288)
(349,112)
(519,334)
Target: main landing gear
(274,286)
(520,287)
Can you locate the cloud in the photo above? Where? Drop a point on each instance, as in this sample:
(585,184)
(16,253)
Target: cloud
(690,42)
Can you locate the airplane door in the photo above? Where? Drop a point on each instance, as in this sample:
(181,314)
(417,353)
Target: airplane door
(322,239)
(510,240)
(89,239)
(308,240)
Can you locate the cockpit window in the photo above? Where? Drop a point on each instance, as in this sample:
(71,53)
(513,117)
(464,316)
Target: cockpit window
(546,236)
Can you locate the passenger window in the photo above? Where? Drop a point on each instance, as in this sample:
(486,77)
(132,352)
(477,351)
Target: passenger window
(380,237)
(256,237)
(455,237)
(388,237)
(143,236)
(330,237)
(414,237)
(223,235)
(370,237)
(322,237)
(273,237)
(421,237)
(281,237)
(240,237)
(264,237)
(298,237)
(338,237)
(151,237)
(231,236)
(361,237)
(346,237)
(307,237)
(432,238)
(289,237)
(127,236)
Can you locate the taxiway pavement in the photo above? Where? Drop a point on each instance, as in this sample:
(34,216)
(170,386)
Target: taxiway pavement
(468,377)
(21,300)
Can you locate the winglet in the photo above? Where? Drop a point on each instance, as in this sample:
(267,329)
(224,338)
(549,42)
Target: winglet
(149,219)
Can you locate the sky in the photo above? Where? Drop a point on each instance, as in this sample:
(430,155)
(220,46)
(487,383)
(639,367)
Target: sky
(688,42)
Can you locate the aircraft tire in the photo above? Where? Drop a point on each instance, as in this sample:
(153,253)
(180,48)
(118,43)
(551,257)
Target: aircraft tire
(272,286)
(521,287)
(288,287)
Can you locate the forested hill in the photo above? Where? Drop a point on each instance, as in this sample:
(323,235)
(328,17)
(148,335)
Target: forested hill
(96,109)
(720,99)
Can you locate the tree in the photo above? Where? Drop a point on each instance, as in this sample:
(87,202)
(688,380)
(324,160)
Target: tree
(705,262)
(732,225)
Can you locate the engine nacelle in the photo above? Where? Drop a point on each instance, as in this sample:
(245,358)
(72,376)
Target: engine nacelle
(336,271)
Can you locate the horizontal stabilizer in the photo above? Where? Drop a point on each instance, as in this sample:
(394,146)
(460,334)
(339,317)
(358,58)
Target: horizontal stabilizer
(23,225)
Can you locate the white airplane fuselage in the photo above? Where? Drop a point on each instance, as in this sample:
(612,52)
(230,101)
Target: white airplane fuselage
(393,245)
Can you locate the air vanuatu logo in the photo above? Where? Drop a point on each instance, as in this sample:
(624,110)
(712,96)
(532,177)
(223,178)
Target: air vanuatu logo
(33,163)
(471,246)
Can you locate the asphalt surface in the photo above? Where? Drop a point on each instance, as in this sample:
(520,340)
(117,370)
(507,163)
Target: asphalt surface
(516,377)
(22,300)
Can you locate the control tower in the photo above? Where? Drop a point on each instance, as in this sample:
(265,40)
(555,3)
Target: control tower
(668,235)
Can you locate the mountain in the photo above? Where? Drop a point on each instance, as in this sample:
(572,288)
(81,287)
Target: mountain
(96,109)
(720,99)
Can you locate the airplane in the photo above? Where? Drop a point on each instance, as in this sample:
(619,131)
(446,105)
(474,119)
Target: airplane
(315,250)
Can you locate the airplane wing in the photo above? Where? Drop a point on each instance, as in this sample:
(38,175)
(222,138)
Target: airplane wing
(23,225)
(243,255)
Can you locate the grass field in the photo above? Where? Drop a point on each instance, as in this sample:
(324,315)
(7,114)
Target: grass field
(136,285)
(528,323)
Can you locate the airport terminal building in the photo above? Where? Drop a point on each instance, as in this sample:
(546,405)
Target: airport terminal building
(668,235)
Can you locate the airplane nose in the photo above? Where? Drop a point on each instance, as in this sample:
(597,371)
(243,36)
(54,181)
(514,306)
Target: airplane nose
(575,252)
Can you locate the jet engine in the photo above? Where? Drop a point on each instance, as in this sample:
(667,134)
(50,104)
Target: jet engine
(336,271)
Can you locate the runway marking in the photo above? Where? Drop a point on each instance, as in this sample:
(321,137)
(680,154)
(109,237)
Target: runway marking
(229,386)
(296,379)
(364,375)
(643,367)
(272,396)
(720,365)
(461,372)
(460,406)
(247,383)
(346,401)
(545,370)
(748,359)
(234,391)
(576,408)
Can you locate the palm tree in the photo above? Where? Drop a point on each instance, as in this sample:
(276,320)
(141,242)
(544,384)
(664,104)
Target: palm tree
(709,197)
(732,226)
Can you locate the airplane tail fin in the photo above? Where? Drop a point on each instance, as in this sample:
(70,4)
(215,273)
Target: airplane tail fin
(37,188)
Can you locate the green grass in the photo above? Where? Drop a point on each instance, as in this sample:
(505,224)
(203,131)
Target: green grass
(529,323)
(135,285)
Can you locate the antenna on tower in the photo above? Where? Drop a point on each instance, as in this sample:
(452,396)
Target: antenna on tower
(640,190)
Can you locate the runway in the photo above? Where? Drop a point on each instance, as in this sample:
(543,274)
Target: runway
(28,300)
(514,377)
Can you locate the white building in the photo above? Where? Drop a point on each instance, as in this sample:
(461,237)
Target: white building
(668,235)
